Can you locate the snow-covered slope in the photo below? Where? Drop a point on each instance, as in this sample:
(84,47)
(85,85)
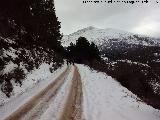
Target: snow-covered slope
(104,36)
(105,99)
(21,67)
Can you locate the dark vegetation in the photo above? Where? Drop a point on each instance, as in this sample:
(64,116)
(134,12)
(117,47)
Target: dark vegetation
(82,52)
(31,29)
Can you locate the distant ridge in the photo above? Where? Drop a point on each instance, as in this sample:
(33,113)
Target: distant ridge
(103,36)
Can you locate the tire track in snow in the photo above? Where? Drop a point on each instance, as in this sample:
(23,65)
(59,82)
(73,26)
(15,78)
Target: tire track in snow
(73,106)
(28,106)
(57,105)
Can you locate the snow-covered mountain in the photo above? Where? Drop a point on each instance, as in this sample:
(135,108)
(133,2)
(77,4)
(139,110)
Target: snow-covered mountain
(109,36)
(123,53)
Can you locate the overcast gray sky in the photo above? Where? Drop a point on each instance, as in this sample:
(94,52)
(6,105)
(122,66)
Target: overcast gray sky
(137,18)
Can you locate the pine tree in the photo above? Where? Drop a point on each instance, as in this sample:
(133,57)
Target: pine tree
(94,52)
(83,51)
(45,24)
(36,17)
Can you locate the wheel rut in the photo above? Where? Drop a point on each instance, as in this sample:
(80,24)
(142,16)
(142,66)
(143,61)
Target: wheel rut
(73,106)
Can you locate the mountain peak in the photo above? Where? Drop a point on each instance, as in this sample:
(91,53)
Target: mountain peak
(81,31)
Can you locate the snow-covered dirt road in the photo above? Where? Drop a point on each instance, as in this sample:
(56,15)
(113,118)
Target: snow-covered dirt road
(79,93)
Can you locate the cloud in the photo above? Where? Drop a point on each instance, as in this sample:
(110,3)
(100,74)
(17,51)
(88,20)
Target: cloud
(138,18)
(149,25)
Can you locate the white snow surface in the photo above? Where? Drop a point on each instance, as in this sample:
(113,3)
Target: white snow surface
(35,81)
(10,52)
(9,67)
(105,99)
(101,36)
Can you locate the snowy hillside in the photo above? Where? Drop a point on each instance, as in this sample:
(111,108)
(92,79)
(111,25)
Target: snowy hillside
(104,36)
(21,67)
